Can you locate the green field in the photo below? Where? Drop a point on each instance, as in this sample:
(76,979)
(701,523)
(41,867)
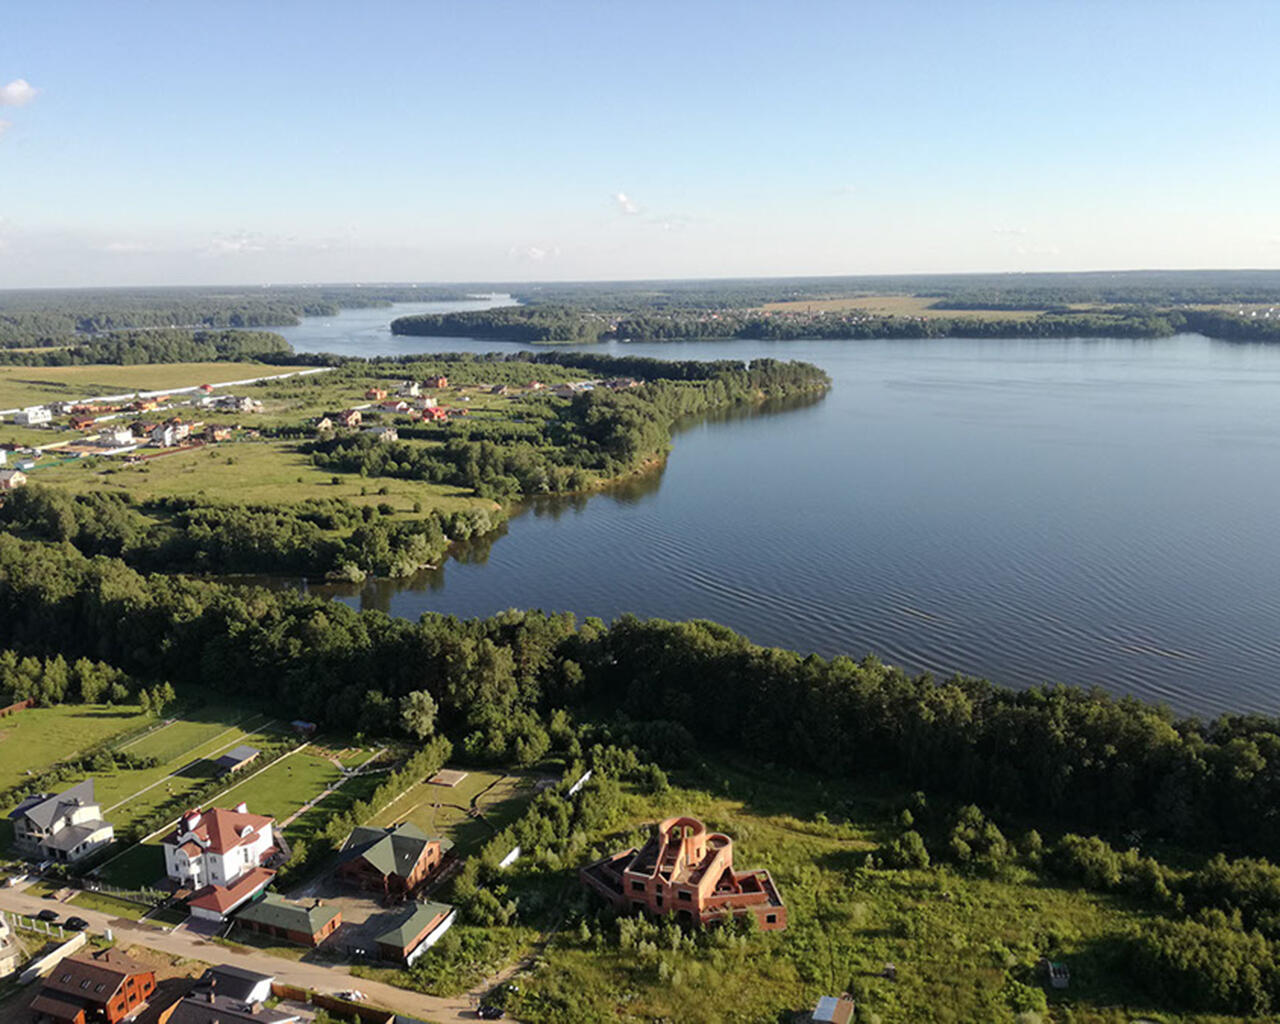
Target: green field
(186,749)
(253,472)
(501,799)
(39,737)
(29,385)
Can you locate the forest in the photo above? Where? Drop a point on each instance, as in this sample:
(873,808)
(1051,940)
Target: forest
(135,348)
(1111,795)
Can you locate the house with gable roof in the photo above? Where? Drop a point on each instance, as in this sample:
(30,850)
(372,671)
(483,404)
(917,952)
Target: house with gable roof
(64,827)
(393,861)
(221,854)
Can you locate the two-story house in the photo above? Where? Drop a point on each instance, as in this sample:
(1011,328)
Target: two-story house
(63,827)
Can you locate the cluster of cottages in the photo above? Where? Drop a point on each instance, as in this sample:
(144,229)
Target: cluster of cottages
(111,986)
(84,415)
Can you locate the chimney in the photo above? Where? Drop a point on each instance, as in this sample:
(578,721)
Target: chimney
(242,808)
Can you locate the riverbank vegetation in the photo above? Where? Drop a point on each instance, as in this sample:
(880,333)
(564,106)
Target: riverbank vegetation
(961,831)
(385,497)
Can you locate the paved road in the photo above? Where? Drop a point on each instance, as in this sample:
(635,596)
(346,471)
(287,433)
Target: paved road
(319,977)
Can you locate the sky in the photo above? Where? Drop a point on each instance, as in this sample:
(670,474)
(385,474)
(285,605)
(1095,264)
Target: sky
(282,141)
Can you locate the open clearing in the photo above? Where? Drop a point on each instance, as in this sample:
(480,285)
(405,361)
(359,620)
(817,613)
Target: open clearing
(252,472)
(28,385)
(38,737)
(501,799)
(895,305)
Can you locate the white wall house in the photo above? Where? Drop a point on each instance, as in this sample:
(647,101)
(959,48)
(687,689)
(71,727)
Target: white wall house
(217,847)
(33,416)
(64,827)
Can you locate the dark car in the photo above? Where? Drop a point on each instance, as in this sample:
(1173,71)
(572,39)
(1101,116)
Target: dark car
(47,915)
(76,924)
(487,1012)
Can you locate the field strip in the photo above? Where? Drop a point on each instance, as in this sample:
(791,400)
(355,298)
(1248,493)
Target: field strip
(188,753)
(329,791)
(173,821)
(148,735)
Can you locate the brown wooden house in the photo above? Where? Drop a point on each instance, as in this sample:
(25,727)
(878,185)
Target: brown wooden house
(393,861)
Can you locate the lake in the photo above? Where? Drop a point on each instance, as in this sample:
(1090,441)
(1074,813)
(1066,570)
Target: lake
(1095,512)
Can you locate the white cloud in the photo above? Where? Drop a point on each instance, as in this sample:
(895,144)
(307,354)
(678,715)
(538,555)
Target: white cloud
(234,245)
(17,93)
(626,204)
(4,126)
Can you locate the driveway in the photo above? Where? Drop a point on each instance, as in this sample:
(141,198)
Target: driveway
(320,978)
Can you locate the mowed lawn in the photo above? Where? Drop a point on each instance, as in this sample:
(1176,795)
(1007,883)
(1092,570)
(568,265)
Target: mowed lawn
(38,737)
(186,750)
(253,472)
(441,811)
(29,385)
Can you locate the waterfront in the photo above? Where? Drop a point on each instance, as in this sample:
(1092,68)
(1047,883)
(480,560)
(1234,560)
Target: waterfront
(1095,512)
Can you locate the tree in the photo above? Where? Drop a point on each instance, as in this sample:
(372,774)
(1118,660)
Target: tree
(418,713)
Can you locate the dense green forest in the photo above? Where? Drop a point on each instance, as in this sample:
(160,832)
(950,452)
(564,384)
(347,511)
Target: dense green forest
(46,317)
(538,324)
(1058,783)
(134,348)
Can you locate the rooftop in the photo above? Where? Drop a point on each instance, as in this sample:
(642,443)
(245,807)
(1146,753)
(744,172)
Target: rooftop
(224,898)
(393,851)
(293,917)
(45,809)
(413,923)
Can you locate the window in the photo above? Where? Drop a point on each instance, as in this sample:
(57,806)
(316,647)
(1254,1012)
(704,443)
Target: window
(771,918)
(85,983)
(687,897)
(637,886)
(66,977)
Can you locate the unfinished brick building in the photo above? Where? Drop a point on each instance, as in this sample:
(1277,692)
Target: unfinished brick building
(686,871)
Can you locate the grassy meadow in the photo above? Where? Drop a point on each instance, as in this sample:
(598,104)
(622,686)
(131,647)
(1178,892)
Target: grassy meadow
(29,385)
(894,305)
(499,798)
(965,948)
(39,737)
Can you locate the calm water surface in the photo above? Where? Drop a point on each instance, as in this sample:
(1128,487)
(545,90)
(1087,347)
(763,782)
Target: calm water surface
(1096,512)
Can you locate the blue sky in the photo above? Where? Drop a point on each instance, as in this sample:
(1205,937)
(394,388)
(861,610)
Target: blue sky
(276,141)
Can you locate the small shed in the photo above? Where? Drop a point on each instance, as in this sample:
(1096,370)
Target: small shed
(234,760)
(415,931)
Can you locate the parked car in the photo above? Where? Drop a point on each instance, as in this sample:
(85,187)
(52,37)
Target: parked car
(47,915)
(354,995)
(76,924)
(488,1012)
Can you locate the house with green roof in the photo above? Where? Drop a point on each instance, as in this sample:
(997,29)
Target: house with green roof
(304,924)
(394,861)
(416,929)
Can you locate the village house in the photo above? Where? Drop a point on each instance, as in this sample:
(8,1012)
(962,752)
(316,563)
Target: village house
(436,382)
(437,413)
(536,385)
(117,437)
(80,422)
(164,435)
(324,423)
(394,407)
(383,433)
(565,390)
(686,871)
(215,432)
(375,394)
(63,827)
(235,983)
(299,923)
(426,402)
(499,389)
(102,986)
(349,418)
(12,479)
(410,389)
(33,416)
(416,930)
(206,389)
(221,855)
(213,1008)
(393,861)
